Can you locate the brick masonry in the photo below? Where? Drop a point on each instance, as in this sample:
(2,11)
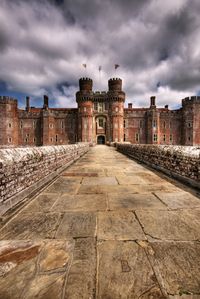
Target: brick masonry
(182,162)
(100,117)
(23,170)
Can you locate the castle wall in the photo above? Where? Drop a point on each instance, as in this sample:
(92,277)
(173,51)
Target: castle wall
(99,114)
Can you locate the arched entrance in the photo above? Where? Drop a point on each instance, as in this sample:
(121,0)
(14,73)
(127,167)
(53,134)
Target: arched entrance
(100,139)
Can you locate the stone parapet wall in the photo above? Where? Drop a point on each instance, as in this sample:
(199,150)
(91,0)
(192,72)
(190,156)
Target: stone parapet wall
(24,170)
(181,162)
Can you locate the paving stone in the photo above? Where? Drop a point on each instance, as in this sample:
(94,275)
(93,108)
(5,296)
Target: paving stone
(56,256)
(179,200)
(81,202)
(100,181)
(129,201)
(125,272)
(178,266)
(65,185)
(42,203)
(118,226)
(76,225)
(17,267)
(35,226)
(81,281)
(129,180)
(170,225)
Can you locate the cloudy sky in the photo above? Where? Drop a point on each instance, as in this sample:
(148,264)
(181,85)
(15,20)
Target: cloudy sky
(43,45)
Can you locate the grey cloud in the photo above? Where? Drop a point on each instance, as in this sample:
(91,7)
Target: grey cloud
(47,41)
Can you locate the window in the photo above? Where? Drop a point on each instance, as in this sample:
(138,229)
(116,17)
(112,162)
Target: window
(154,123)
(100,107)
(189,138)
(27,135)
(62,124)
(189,125)
(95,106)
(21,124)
(164,137)
(51,126)
(164,124)
(124,137)
(51,139)
(137,137)
(124,124)
(155,137)
(34,139)
(9,139)
(141,123)
(34,124)
(56,138)
(170,137)
(26,140)
(101,122)
(10,125)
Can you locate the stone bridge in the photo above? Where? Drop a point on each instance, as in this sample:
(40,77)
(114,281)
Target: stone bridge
(106,227)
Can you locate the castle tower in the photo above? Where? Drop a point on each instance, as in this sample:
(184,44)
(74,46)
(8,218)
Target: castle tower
(191,121)
(84,98)
(9,122)
(116,112)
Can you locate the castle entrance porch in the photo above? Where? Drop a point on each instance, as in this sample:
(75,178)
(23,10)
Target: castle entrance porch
(101,139)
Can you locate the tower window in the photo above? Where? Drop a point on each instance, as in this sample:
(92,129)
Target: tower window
(21,124)
(34,139)
(164,137)
(124,137)
(170,137)
(95,106)
(100,107)
(189,138)
(10,125)
(51,126)
(155,137)
(62,124)
(51,139)
(154,124)
(124,123)
(189,125)
(101,122)
(56,138)
(9,139)
(137,137)
(164,124)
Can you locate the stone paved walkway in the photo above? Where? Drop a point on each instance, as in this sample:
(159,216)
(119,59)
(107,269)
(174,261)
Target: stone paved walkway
(106,228)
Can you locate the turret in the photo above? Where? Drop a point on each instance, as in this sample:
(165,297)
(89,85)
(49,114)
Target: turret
(84,98)
(27,103)
(46,102)
(115,84)
(85,84)
(152,101)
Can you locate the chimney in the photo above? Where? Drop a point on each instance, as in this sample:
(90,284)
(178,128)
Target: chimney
(46,102)
(153,101)
(166,106)
(27,103)
(129,105)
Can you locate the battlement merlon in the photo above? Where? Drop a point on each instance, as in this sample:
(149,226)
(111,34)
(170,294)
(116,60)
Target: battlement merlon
(191,100)
(8,100)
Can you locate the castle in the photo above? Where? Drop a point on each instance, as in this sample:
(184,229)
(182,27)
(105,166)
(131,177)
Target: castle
(99,118)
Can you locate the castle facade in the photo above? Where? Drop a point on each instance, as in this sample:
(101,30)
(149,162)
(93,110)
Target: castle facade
(99,118)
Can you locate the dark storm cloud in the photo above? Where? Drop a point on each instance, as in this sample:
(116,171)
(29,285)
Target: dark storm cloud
(44,44)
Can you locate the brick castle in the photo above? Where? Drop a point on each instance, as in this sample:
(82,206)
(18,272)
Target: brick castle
(99,118)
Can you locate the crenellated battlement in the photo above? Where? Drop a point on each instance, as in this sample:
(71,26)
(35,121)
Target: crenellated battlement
(7,100)
(191,100)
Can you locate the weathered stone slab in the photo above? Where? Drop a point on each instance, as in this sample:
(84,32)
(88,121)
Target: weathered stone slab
(170,225)
(42,203)
(118,226)
(31,226)
(129,180)
(100,181)
(87,189)
(125,272)
(178,266)
(179,200)
(76,225)
(61,187)
(56,256)
(129,201)
(81,202)
(81,281)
